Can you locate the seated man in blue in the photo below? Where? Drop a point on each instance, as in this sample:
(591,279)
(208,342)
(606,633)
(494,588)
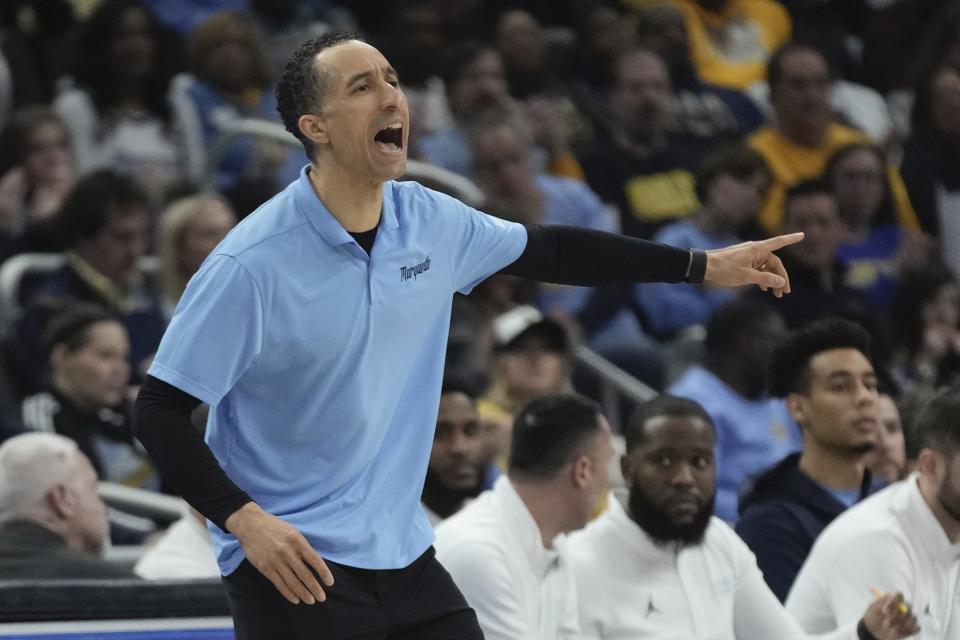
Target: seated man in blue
(731,185)
(754,431)
(316,332)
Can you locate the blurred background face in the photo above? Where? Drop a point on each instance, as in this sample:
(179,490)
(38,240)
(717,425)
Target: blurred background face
(839,412)
(755,351)
(943,310)
(945,94)
(479,85)
(801,96)
(501,167)
(736,201)
(133,49)
(672,478)
(816,215)
(643,97)
(94,376)
(531,368)
(455,457)
(888,460)
(606,33)
(520,41)
(89,528)
(208,225)
(858,182)
(231,61)
(114,252)
(48,160)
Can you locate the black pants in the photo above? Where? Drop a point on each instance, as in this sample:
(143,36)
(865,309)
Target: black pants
(418,602)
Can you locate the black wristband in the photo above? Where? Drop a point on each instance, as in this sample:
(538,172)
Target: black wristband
(698,267)
(863,633)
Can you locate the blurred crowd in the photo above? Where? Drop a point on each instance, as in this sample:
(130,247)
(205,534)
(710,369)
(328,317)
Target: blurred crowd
(124,160)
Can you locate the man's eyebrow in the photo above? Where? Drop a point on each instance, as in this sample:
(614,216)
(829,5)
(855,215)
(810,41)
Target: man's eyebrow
(388,71)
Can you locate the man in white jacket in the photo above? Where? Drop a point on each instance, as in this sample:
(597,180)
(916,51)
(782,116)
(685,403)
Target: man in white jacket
(505,549)
(905,537)
(659,565)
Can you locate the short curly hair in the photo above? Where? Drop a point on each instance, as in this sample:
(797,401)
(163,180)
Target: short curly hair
(790,367)
(300,89)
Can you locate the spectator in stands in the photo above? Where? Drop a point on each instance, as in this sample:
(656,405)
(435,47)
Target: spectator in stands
(603,34)
(532,357)
(926,328)
(804,137)
(503,166)
(817,277)
(931,160)
(456,470)
(824,371)
(731,40)
(753,431)
(36,173)
(104,221)
(183,552)
(644,170)
(905,538)
(189,230)
(657,563)
(505,549)
(730,185)
(227,80)
(85,396)
(878,243)
(889,459)
(117,109)
(474,82)
(53,523)
(717,114)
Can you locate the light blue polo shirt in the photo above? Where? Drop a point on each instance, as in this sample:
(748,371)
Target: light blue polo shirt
(323,367)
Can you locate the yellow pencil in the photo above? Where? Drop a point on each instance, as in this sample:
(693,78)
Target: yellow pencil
(902,607)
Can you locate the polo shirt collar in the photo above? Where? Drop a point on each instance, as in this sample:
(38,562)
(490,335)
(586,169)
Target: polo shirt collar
(328,227)
(927,526)
(525,528)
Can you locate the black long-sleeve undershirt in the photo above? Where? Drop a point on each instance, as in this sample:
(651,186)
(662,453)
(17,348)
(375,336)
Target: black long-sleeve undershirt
(559,254)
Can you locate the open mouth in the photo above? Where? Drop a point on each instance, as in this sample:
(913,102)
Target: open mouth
(390,138)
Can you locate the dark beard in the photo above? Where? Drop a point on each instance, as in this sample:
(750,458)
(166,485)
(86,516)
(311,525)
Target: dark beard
(443,500)
(658,525)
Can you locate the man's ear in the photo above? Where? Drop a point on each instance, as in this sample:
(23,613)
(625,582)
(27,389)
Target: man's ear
(314,128)
(62,501)
(580,471)
(797,407)
(930,464)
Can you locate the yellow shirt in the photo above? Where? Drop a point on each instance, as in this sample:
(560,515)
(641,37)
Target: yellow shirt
(731,48)
(791,163)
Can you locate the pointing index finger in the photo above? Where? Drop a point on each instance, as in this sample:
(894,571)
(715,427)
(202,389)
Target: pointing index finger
(778,242)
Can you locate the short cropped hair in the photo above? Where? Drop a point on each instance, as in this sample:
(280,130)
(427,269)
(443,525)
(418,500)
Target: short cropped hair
(89,206)
(937,424)
(789,371)
(734,320)
(548,432)
(775,63)
(738,161)
(663,405)
(301,86)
